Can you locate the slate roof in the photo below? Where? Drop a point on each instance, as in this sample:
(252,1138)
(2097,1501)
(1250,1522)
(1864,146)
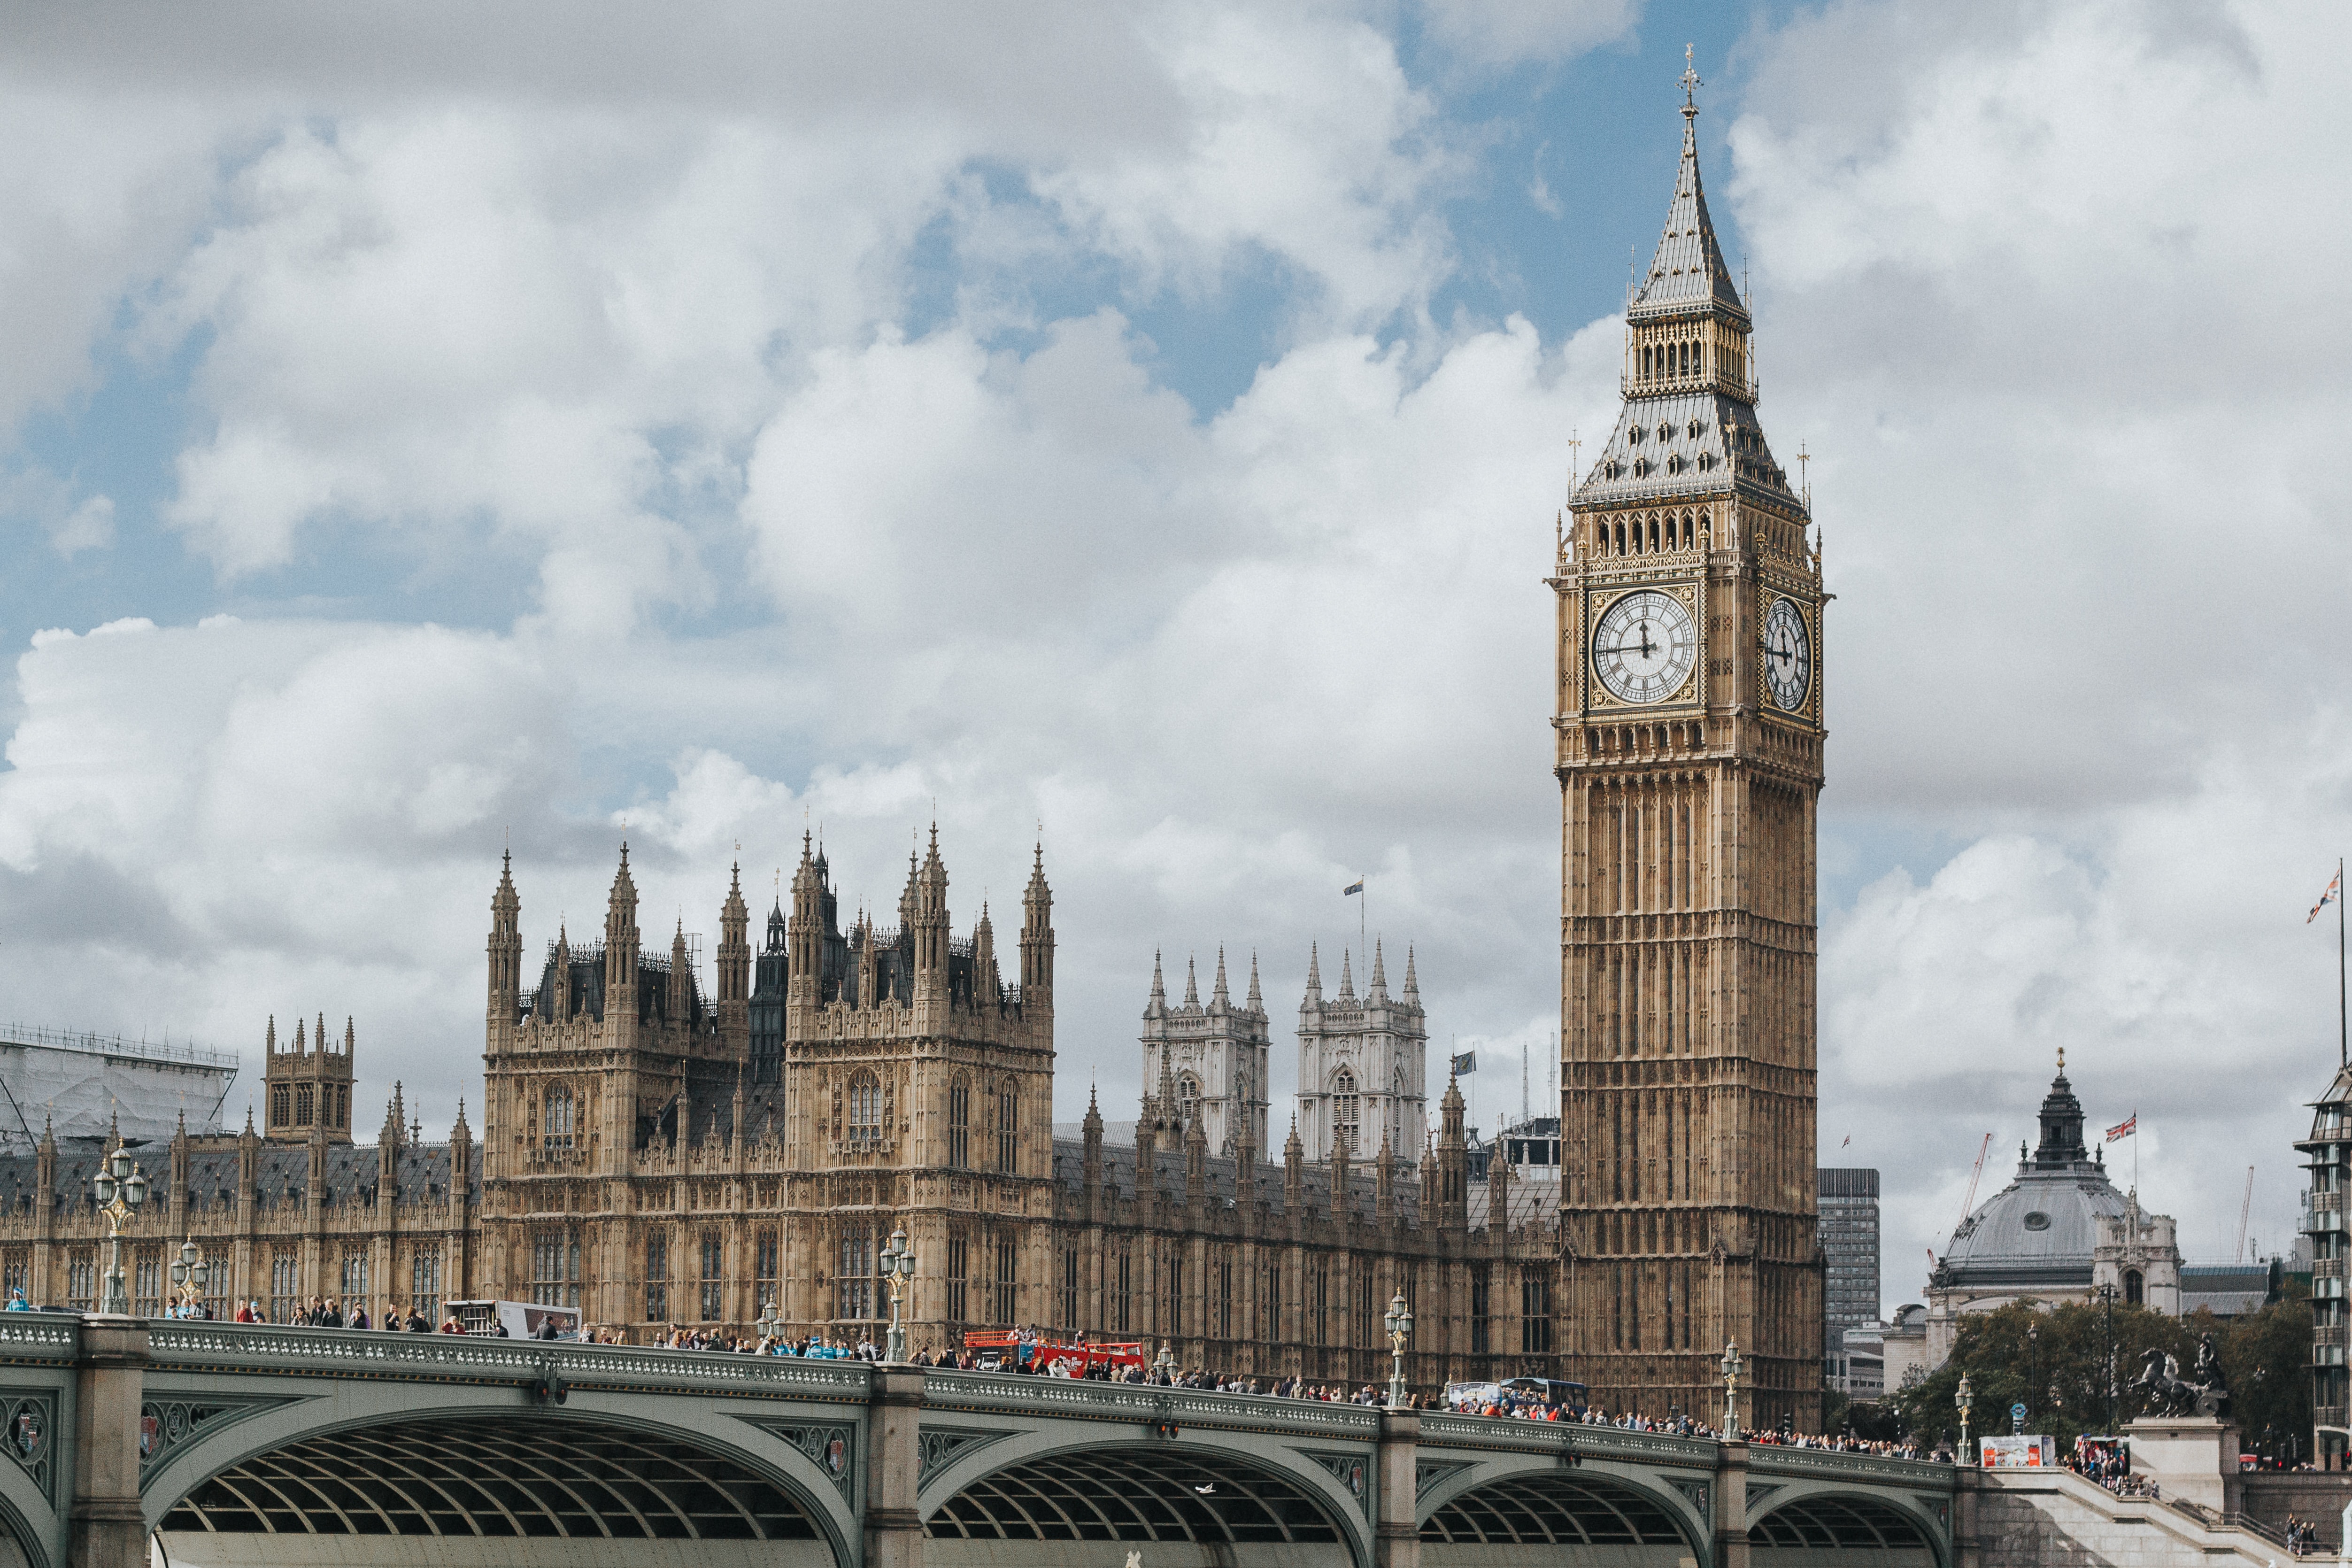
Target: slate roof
(1689,273)
(1695,446)
(281,1172)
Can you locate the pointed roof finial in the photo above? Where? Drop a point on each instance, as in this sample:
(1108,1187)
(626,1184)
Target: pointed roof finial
(1191,984)
(2061,1061)
(1347,976)
(1256,1000)
(1690,85)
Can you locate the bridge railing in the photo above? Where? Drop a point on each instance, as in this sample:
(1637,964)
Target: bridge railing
(1445,1430)
(1771,1458)
(361,1352)
(39,1336)
(1083,1399)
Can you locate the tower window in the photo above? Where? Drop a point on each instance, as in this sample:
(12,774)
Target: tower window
(1343,1110)
(856,1277)
(2135,1287)
(960,1122)
(1188,1098)
(303,1104)
(281,1100)
(556,1128)
(865,1110)
(1008,1127)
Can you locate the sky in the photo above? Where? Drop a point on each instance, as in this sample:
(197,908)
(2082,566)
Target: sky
(433,429)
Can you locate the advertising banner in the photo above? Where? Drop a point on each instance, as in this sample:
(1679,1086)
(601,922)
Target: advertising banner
(2020,1453)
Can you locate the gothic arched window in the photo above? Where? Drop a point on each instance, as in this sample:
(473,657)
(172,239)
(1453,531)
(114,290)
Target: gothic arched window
(281,1103)
(2134,1287)
(1188,1097)
(1008,1127)
(302,1105)
(960,1120)
(555,1127)
(865,1108)
(1343,1110)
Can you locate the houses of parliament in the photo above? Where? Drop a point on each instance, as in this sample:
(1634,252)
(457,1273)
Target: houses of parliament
(661,1151)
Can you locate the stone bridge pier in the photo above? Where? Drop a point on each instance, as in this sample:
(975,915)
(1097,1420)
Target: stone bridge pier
(126,1442)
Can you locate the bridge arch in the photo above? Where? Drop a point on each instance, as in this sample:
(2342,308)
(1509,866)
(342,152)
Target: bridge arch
(1035,1499)
(512,1487)
(1804,1526)
(1534,1508)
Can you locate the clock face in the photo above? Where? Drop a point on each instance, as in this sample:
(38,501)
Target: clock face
(1644,646)
(1788,654)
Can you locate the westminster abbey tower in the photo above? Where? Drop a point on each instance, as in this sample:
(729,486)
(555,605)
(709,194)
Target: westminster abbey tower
(1689,754)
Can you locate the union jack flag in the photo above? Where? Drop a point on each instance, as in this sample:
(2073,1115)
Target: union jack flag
(2335,891)
(2124,1129)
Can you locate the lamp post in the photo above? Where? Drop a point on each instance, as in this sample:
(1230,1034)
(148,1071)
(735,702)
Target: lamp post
(1399,1319)
(190,1274)
(2107,1294)
(1164,1364)
(769,1324)
(1732,1365)
(898,1267)
(1964,1399)
(120,1188)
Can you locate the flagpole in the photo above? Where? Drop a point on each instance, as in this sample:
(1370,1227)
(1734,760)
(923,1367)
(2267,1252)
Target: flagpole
(2343,1039)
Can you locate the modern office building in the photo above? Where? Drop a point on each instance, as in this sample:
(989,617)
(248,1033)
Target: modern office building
(2327,1152)
(1850,1252)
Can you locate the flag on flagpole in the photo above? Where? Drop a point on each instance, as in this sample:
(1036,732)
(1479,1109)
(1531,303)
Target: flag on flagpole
(1352,888)
(2335,891)
(1849,1138)
(2124,1128)
(1466,1062)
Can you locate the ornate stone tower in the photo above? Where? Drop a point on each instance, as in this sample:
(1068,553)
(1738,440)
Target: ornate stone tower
(1207,1065)
(1689,729)
(1361,1063)
(306,1085)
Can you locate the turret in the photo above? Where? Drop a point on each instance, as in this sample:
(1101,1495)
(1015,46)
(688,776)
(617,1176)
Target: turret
(1255,1004)
(1313,975)
(1339,1178)
(1221,1001)
(1377,990)
(621,957)
(558,1006)
(1157,1008)
(1037,938)
(1192,988)
(1384,1176)
(681,976)
(1294,1170)
(929,923)
(1196,1163)
(807,929)
(505,949)
(735,966)
(1347,977)
(1411,986)
(461,1158)
(985,987)
(1453,1190)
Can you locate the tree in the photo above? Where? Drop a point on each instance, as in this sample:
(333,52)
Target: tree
(2052,1360)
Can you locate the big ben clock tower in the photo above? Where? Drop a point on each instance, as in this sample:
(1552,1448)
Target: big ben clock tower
(1689,723)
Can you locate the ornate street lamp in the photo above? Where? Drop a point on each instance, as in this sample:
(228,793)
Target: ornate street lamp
(190,1274)
(1399,1319)
(120,1188)
(1165,1364)
(1732,1365)
(769,1324)
(898,1267)
(1964,1399)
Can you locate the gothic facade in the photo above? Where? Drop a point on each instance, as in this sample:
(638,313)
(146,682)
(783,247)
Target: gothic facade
(1689,729)
(1362,1064)
(1207,1064)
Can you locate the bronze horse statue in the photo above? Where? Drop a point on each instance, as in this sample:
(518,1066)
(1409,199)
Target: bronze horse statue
(2169,1393)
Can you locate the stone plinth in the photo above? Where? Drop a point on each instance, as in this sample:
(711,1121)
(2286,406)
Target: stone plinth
(2192,1458)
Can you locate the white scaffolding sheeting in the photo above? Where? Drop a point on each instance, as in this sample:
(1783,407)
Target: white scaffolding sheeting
(79,1084)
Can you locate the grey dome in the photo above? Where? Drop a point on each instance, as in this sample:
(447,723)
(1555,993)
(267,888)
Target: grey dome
(2043,1228)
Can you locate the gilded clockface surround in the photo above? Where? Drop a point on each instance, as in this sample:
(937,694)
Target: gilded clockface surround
(1788,654)
(1644,646)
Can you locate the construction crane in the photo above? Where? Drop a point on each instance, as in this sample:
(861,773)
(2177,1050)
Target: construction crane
(1969,1203)
(2244,1210)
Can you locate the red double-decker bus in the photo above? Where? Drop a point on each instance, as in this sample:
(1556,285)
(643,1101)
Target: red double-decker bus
(1003,1350)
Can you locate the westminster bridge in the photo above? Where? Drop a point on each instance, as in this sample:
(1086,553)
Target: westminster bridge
(196,1444)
